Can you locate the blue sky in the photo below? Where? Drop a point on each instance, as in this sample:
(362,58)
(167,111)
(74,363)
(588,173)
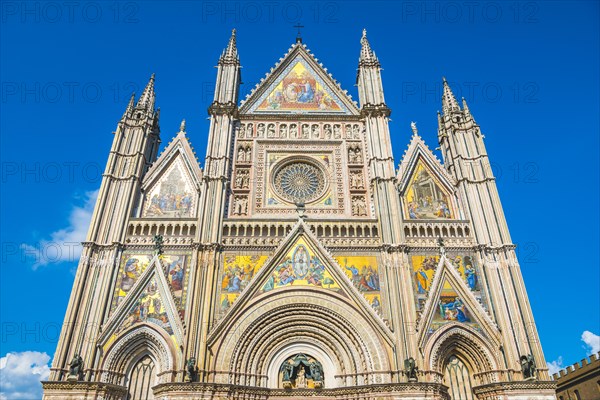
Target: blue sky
(529,71)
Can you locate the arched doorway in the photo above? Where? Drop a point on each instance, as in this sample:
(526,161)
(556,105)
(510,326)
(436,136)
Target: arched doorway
(457,376)
(141,379)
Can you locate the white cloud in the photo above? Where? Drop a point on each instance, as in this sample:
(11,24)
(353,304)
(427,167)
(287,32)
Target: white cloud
(64,244)
(555,366)
(21,373)
(592,342)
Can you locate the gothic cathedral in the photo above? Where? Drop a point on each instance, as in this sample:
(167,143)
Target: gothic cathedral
(298,262)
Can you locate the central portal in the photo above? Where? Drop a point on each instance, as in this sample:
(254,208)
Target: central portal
(301,372)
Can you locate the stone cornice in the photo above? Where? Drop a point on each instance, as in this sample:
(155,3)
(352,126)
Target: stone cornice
(83,386)
(504,387)
(233,390)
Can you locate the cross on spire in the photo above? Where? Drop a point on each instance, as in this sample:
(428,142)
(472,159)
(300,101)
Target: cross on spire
(299,35)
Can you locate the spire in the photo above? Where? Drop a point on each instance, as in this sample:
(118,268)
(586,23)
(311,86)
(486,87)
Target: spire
(449,102)
(147,98)
(367,55)
(230,54)
(130,105)
(465,107)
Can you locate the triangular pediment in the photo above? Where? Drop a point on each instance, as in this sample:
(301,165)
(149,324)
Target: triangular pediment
(149,301)
(451,301)
(298,84)
(427,190)
(299,263)
(172,185)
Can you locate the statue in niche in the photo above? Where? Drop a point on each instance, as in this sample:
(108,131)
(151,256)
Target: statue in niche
(248,154)
(301,372)
(410,369)
(305,131)
(358,155)
(327,129)
(359,206)
(241,154)
(348,131)
(249,130)
(528,367)
(242,131)
(75,368)
(337,131)
(240,206)
(271,131)
(260,131)
(356,180)
(315,131)
(356,132)
(283,131)
(294,131)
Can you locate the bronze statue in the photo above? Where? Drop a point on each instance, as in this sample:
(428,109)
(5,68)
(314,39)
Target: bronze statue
(75,368)
(528,367)
(191,370)
(410,369)
(316,371)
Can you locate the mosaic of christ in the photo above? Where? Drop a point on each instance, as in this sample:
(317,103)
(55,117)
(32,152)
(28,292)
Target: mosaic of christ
(299,90)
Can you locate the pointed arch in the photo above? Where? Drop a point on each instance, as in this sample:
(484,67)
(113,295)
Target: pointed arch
(464,342)
(134,344)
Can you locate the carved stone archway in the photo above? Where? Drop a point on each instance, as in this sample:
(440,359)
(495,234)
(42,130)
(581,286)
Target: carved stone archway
(132,345)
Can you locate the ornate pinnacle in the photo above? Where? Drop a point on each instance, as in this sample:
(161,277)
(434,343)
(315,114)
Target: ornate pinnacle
(130,105)
(182,126)
(147,98)
(449,102)
(367,55)
(230,54)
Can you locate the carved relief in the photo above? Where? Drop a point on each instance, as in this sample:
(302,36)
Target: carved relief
(355,155)
(242,179)
(260,131)
(327,131)
(244,154)
(240,205)
(356,180)
(305,131)
(315,131)
(337,131)
(283,131)
(359,206)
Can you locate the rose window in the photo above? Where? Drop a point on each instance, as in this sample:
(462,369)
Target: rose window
(299,182)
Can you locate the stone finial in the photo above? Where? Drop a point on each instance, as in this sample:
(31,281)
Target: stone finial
(413,126)
(182,126)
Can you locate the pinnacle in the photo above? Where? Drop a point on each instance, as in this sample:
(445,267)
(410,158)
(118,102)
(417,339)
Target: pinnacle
(367,55)
(147,98)
(230,54)
(449,102)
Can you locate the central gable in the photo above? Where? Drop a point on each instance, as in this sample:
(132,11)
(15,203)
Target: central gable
(298,85)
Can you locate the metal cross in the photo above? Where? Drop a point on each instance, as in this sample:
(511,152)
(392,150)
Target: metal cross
(299,36)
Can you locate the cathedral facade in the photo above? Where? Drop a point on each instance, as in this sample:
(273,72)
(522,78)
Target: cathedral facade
(298,261)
